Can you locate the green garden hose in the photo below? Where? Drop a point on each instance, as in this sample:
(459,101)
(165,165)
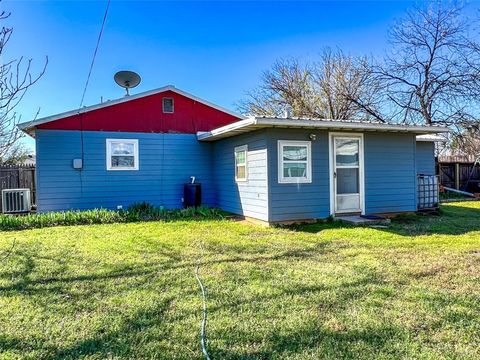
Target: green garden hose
(203,334)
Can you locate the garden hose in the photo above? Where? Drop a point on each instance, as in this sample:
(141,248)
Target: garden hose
(203,336)
(9,251)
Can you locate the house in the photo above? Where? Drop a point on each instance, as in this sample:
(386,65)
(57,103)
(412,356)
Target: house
(31,160)
(145,147)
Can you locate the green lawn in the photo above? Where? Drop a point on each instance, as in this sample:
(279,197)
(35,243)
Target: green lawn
(126,291)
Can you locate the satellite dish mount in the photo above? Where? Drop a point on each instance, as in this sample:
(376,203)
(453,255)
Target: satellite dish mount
(127,80)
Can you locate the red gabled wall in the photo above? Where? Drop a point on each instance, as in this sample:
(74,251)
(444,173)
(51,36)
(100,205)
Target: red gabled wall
(145,115)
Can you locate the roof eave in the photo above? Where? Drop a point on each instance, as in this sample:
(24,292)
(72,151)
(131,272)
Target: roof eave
(30,131)
(431,138)
(238,125)
(252,124)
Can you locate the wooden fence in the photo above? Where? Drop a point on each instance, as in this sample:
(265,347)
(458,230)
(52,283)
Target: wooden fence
(18,177)
(462,159)
(455,172)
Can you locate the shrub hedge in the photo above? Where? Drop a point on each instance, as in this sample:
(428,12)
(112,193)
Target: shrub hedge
(136,212)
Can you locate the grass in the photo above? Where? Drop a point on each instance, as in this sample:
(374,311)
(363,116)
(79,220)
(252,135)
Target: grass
(126,291)
(136,212)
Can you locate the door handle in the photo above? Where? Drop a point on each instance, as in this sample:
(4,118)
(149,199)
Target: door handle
(335,174)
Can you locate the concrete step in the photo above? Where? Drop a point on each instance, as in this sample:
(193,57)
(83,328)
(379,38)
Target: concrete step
(363,220)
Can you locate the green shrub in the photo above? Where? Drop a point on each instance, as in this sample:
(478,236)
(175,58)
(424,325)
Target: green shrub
(144,212)
(137,212)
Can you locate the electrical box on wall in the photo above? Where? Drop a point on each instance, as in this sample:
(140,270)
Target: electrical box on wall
(77,163)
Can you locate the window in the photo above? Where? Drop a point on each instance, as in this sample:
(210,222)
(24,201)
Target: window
(122,154)
(167,105)
(294,162)
(241,163)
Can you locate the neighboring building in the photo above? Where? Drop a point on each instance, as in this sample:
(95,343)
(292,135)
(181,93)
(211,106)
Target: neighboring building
(31,160)
(145,147)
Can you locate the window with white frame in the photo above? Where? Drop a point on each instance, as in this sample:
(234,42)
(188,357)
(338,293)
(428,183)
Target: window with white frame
(122,154)
(241,163)
(294,161)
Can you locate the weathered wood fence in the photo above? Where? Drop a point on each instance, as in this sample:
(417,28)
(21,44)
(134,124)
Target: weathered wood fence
(454,172)
(16,177)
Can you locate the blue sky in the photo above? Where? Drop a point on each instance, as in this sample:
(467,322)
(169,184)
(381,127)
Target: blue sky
(215,50)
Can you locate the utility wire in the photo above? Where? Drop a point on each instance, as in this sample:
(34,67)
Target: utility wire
(94,54)
(203,334)
(82,146)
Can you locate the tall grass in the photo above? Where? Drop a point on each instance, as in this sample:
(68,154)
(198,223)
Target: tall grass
(136,212)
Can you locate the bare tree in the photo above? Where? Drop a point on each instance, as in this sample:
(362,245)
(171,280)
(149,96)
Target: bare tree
(337,86)
(17,155)
(356,91)
(15,79)
(466,142)
(431,76)
(288,83)
(426,78)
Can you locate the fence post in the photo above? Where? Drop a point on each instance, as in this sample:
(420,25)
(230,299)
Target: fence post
(457,176)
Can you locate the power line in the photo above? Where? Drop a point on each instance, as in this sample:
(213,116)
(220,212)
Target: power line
(94,54)
(85,91)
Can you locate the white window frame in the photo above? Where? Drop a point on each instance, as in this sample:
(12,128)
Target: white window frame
(163,105)
(236,150)
(294,180)
(109,143)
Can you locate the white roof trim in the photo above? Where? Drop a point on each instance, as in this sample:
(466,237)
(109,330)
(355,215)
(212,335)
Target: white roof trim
(236,126)
(431,138)
(254,123)
(29,125)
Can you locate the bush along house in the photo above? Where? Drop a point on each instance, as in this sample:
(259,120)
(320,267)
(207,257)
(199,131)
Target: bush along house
(145,147)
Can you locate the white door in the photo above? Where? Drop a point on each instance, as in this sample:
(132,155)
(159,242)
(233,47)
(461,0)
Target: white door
(347,173)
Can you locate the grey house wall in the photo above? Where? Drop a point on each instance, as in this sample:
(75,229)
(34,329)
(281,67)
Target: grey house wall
(166,161)
(249,198)
(425,158)
(390,179)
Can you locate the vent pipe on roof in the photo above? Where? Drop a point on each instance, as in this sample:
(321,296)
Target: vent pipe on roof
(287,112)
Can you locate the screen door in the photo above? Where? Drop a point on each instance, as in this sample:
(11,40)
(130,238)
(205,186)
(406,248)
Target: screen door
(346,175)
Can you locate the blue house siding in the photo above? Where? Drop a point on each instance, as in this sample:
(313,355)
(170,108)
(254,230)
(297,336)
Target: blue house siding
(299,201)
(425,158)
(166,161)
(390,174)
(390,181)
(249,198)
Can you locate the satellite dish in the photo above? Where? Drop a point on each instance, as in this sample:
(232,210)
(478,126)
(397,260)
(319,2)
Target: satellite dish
(127,79)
